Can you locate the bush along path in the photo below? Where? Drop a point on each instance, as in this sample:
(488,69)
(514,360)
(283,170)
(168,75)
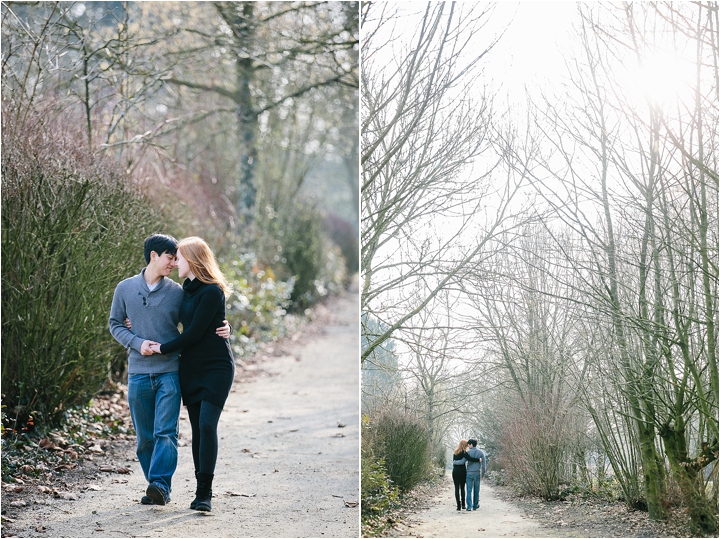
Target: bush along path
(503,514)
(288,463)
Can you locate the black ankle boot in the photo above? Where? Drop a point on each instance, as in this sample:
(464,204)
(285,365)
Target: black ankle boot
(203,494)
(195,501)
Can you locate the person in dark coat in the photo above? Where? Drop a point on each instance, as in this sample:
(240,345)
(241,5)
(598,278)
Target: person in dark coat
(207,366)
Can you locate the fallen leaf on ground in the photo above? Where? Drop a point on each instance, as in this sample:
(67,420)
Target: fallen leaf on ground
(59,439)
(8,519)
(93,487)
(44,489)
(65,495)
(246,451)
(276,470)
(241,494)
(338,435)
(46,443)
(341,424)
(17,488)
(18,503)
(351,504)
(107,469)
(123,470)
(41,529)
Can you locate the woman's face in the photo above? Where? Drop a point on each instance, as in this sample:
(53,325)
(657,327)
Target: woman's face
(183,266)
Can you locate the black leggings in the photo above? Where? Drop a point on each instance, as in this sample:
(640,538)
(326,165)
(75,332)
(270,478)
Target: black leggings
(458,474)
(204,418)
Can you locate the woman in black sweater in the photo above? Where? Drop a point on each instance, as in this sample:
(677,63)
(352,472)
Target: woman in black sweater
(207,367)
(459,473)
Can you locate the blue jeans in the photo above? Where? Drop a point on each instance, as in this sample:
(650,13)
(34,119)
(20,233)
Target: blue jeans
(154,401)
(472,480)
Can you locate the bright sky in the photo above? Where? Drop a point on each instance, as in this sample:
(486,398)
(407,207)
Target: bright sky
(529,53)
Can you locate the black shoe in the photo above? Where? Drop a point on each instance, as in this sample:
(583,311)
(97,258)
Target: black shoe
(156,494)
(203,494)
(146,500)
(458,508)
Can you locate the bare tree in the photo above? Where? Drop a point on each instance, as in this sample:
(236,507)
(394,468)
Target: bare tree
(633,178)
(280,51)
(422,129)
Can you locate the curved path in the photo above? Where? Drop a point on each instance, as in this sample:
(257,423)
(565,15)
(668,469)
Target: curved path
(494,518)
(288,464)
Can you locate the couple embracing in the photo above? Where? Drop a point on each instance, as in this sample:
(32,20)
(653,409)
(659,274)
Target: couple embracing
(468,468)
(165,365)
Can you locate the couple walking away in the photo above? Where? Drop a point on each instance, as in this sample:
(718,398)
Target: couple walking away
(468,467)
(164,364)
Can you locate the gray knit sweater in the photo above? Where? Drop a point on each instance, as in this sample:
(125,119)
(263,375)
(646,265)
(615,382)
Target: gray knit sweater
(476,467)
(154,316)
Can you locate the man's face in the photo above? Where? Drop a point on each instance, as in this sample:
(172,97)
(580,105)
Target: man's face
(164,263)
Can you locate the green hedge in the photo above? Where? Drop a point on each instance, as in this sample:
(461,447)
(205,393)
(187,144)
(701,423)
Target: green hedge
(71,230)
(403,443)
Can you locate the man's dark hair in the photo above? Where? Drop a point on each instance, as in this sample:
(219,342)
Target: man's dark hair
(472,442)
(160,243)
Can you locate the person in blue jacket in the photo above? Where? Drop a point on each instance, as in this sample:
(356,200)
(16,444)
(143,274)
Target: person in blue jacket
(475,469)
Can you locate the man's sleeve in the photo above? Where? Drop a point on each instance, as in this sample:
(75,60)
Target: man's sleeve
(484,460)
(123,335)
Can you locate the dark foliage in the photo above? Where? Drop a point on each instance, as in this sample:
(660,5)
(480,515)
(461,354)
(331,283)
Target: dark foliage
(72,228)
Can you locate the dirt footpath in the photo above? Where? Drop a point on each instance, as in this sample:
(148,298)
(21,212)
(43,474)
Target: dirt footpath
(288,464)
(494,518)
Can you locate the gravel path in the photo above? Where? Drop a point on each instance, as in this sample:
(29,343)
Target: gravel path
(494,518)
(502,514)
(288,464)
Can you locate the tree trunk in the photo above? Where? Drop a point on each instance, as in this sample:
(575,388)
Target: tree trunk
(703,516)
(244,31)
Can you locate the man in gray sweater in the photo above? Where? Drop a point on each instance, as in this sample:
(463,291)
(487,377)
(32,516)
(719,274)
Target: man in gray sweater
(472,477)
(152,303)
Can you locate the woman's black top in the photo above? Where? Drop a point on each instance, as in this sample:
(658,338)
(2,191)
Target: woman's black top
(207,366)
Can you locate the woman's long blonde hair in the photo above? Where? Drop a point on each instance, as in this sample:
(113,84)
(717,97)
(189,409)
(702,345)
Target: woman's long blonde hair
(462,446)
(202,262)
